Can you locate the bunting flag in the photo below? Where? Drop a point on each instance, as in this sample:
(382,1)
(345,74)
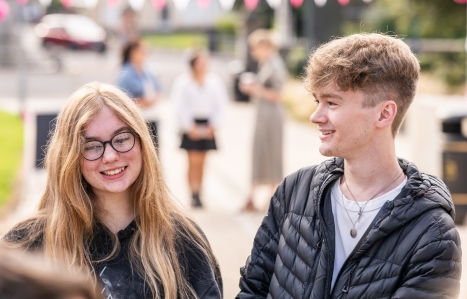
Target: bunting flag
(321,3)
(66,3)
(274,3)
(203,3)
(4,10)
(251,4)
(45,3)
(112,3)
(343,2)
(182,4)
(296,3)
(227,4)
(158,4)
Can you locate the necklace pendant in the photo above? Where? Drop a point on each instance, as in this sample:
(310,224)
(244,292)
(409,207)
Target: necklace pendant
(353,232)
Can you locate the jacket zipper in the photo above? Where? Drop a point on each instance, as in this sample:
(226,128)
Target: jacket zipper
(315,266)
(346,287)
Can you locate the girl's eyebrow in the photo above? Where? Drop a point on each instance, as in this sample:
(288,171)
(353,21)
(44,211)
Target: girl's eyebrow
(122,129)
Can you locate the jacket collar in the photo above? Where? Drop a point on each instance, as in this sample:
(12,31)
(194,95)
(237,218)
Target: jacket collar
(421,193)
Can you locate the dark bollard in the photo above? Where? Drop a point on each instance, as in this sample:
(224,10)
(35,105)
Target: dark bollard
(454,128)
(44,126)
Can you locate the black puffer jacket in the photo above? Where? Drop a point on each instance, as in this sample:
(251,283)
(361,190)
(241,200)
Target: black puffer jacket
(411,250)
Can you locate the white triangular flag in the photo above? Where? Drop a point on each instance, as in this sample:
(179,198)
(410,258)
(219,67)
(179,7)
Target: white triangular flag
(181,4)
(227,4)
(90,3)
(45,2)
(136,5)
(320,3)
(274,3)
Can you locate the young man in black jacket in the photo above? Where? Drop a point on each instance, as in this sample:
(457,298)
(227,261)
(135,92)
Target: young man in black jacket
(364,224)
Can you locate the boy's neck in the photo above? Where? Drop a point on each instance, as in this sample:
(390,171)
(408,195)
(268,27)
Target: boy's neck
(371,171)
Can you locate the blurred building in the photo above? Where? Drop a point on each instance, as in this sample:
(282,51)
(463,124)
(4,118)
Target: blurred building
(149,19)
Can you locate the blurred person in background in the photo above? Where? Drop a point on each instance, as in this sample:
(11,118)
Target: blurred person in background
(266,92)
(128,30)
(106,209)
(200,98)
(26,276)
(138,80)
(364,223)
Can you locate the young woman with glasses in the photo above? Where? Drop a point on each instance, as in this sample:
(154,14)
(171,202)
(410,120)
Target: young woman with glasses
(106,209)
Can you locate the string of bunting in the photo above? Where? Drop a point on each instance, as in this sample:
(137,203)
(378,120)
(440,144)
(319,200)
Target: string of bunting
(179,4)
(183,4)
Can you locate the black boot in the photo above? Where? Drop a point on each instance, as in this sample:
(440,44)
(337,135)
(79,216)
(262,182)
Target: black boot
(196,201)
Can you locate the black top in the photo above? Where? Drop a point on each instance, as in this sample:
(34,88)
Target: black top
(120,281)
(116,275)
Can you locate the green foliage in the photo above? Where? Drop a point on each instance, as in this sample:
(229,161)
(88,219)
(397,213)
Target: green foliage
(227,23)
(296,60)
(179,40)
(417,18)
(421,19)
(11,134)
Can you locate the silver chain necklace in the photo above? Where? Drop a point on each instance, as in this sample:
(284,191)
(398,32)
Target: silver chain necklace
(353,230)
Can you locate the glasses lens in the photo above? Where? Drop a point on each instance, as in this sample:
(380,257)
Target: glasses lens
(123,142)
(93,150)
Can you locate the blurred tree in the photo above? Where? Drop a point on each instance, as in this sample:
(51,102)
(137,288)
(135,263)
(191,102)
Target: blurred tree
(415,19)
(418,18)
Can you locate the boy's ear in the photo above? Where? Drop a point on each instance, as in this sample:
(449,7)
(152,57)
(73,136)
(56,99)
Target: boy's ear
(387,113)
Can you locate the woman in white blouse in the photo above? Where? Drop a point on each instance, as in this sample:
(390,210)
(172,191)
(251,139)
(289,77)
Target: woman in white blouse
(200,98)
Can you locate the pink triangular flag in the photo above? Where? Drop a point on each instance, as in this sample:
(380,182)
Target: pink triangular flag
(296,3)
(251,4)
(158,4)
(4,10)
(203,3)
(66,3)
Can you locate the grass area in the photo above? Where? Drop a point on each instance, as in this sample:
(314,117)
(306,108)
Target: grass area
(11,135)
(179,40)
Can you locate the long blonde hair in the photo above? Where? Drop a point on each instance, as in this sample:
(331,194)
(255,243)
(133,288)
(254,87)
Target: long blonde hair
(66,215)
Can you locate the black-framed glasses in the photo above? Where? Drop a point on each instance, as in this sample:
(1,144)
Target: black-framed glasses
(122,142)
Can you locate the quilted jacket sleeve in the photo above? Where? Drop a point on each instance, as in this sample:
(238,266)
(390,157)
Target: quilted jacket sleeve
(435,267)
(256,274)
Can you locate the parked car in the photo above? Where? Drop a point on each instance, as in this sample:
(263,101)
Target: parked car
(71,31)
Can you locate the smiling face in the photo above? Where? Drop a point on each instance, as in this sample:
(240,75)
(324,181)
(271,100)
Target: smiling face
(347,128)
(114,172)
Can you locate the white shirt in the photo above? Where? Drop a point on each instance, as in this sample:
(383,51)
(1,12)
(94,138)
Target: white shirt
(194,101)
(345,244)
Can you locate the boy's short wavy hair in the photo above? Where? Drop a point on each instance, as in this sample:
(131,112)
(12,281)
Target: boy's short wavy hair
(381,66)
